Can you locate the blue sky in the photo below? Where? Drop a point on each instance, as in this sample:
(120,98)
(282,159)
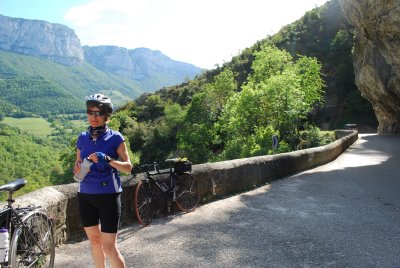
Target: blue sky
(201,32)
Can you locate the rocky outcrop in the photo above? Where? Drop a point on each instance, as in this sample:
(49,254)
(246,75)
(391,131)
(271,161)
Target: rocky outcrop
(52,41)
(376,56)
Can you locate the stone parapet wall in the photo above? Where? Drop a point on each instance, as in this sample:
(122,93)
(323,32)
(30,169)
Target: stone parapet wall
(215,181)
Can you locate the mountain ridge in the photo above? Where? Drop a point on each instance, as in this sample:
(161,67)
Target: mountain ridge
(36,48)
(140,64)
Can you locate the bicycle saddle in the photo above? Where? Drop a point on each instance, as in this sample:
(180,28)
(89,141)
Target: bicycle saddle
(13,186)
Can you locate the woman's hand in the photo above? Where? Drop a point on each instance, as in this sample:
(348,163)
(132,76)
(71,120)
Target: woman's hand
(98,157)
(77,166)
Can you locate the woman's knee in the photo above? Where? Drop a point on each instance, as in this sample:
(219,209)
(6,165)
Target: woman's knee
(110,249)
(109,242)
(94,236)
(96,243)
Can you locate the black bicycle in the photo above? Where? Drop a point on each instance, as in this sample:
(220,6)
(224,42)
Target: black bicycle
(31,231)
(181,188)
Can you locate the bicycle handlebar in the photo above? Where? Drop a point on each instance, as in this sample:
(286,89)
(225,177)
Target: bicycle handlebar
(140,168)
(145,168)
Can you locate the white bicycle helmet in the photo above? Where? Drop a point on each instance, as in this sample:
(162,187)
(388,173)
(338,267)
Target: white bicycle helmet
(101,101)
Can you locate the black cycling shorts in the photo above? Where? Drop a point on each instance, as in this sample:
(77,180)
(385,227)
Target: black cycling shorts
(103,209)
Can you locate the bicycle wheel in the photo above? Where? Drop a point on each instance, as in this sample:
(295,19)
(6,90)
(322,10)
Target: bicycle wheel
(144,195)
(187,192)
(33,243)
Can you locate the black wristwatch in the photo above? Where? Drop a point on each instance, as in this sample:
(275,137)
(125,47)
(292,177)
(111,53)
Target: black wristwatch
(108,159)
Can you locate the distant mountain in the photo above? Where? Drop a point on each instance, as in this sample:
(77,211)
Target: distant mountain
(150,68)
(49,54)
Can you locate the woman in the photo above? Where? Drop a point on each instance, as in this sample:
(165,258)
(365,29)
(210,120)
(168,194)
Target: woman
(99,193)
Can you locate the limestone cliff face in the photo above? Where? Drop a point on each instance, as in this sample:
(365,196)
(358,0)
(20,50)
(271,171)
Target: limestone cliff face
(55,42)
(376,56)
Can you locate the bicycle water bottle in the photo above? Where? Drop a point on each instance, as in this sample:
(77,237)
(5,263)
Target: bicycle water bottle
(85,168)
(4,245)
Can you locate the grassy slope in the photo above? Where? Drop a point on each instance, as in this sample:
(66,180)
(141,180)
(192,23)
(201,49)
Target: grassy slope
(35,126)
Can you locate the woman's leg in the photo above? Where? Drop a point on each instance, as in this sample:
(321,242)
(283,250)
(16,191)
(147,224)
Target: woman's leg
(95,237)
(90,220)
(109,242)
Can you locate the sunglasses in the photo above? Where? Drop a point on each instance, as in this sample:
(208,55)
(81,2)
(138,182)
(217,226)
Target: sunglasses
(95,113)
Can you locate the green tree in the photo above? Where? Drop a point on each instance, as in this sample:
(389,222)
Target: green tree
(197,131)
(269,61)
(121,121)
(199,137)
(158,141)
(342,62)
(278,96)
(152,108)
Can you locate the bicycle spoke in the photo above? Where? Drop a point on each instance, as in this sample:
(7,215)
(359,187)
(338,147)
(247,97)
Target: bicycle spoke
(33,243)
(187,194)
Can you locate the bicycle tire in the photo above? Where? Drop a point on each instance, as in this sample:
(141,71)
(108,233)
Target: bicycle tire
(187,192)
(33,244)
(144,195)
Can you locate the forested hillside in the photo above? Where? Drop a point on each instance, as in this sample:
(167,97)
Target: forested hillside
(324,34)
(221,120)
(321,33)
(194,120)
(26,156)
(37,96)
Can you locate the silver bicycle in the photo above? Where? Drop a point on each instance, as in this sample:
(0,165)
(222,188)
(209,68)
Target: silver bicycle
(31,234)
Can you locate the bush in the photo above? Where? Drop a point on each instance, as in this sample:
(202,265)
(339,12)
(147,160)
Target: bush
(313,137)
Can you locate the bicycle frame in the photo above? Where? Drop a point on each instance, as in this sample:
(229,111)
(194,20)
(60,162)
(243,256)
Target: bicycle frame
(11,218)
(167,190)
(181,190)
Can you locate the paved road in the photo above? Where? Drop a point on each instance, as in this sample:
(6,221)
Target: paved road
(343,214)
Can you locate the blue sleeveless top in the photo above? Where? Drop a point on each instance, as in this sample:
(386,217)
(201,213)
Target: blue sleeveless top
(102,178)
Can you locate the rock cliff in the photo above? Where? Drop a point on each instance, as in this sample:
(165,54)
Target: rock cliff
(55,42)
(376,56)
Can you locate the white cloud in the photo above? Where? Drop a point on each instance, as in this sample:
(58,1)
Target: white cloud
(201,32)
